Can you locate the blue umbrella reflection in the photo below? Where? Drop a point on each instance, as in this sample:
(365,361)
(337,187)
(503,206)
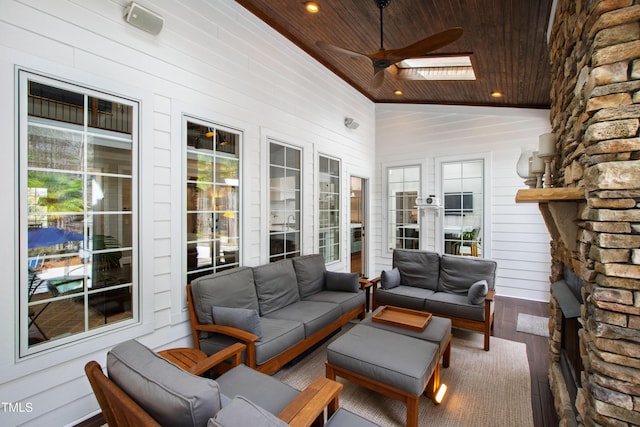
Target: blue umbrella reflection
(49,236)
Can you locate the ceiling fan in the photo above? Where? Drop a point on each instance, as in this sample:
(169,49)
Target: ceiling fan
(383,58)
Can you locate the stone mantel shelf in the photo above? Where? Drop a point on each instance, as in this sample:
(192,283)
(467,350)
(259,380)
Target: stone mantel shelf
(545,195)
(559,208)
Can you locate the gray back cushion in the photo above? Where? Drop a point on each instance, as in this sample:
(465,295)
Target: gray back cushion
(230,288)
(241,412)
(170,395)
(458,273)
(276,285)
(417,268)
(310,271)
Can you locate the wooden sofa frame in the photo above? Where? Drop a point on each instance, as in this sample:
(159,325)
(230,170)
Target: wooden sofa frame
(120,410)
(249,339)
(486,326)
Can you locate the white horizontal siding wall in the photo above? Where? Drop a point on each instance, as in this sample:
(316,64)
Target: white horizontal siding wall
(518,238)
(213,60)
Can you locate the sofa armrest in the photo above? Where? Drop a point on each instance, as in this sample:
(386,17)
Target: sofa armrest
(490,296)
(375,281)
(310,403)
(234,352)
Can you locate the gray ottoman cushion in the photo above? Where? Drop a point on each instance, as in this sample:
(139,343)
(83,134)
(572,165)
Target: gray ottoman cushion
(263,390)
(397,360)
(344,418)
(437,331)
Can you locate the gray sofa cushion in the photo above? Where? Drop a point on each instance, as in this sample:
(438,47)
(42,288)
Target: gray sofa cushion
(346,300)
(314,315)
(477,292)
(417,268)
(263,390)
(393,359)
(310,271)
(455,305)
(389,279)
(276,285)
(343,282)
(458,273)
(229,288)
(241,318)
(403,296)
(170,395)
(241,412)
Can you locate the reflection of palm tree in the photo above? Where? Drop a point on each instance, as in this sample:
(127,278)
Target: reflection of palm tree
(64,191)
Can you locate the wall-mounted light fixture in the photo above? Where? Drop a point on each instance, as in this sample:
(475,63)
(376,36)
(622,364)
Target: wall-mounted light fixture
(351,123)
(143,18)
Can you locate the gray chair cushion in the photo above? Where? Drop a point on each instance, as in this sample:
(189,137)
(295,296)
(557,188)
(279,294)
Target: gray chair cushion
(344,418)
(310,271)
(477,292)
(417,268)
(403,296)
(276,285)
(458,273)
(343,282)
(263,390)
(241,318)
(397,360)
(389,279)
(241,412)
(346,300)
(229,288)
(170,395)
(455,305)
(314,315)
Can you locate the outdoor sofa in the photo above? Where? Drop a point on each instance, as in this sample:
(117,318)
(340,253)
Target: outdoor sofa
(461,288)
(278,310)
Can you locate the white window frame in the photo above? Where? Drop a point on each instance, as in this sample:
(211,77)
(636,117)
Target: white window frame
(339,192)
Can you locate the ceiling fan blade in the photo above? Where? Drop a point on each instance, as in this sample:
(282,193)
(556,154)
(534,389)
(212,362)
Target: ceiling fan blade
(424,46)
(378,79)
(340,50)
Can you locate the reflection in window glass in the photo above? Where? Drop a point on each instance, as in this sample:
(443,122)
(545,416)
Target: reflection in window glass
(329,208)
(462,184)
(77,275)
(284,201)
(403,228)
(212,199)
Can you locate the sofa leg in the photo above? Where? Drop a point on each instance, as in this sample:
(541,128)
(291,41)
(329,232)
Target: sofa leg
(413,404)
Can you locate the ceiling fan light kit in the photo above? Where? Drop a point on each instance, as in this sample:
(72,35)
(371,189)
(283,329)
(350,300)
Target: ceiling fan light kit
(383,58)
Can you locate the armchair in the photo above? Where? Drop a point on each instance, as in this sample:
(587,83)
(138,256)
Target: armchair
(144,389)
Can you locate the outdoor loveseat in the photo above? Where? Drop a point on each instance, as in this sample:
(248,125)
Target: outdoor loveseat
(461,288)
(277,310)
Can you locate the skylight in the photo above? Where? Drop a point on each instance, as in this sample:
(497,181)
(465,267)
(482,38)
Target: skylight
(437,68)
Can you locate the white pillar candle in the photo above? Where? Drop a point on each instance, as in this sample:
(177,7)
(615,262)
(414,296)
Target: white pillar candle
(537,163)
(546,145)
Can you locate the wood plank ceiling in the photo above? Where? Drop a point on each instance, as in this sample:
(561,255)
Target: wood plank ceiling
(507,40)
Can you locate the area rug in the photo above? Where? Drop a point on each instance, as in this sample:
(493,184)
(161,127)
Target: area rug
(536,325)
(485,388)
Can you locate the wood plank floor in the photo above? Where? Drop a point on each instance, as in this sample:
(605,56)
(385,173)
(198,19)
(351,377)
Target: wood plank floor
(507,309)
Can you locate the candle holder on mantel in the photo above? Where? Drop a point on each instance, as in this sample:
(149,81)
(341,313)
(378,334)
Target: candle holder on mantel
(546,151)
(523,167)
(537,168)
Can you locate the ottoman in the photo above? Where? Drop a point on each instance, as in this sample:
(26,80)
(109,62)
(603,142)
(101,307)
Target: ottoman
(438,331)
(396,365)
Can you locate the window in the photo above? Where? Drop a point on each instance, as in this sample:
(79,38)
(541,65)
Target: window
(213,199)
(329,208)
(79,212)
(403,185)
(284,201)
(463,183)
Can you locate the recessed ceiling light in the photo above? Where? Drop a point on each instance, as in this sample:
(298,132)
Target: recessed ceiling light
(496,94)
(437,68)
(312,7)
(397,92)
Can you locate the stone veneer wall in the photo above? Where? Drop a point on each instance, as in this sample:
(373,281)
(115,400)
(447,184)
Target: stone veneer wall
(595,111)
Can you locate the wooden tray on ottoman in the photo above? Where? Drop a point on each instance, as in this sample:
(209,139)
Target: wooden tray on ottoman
(402,317)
